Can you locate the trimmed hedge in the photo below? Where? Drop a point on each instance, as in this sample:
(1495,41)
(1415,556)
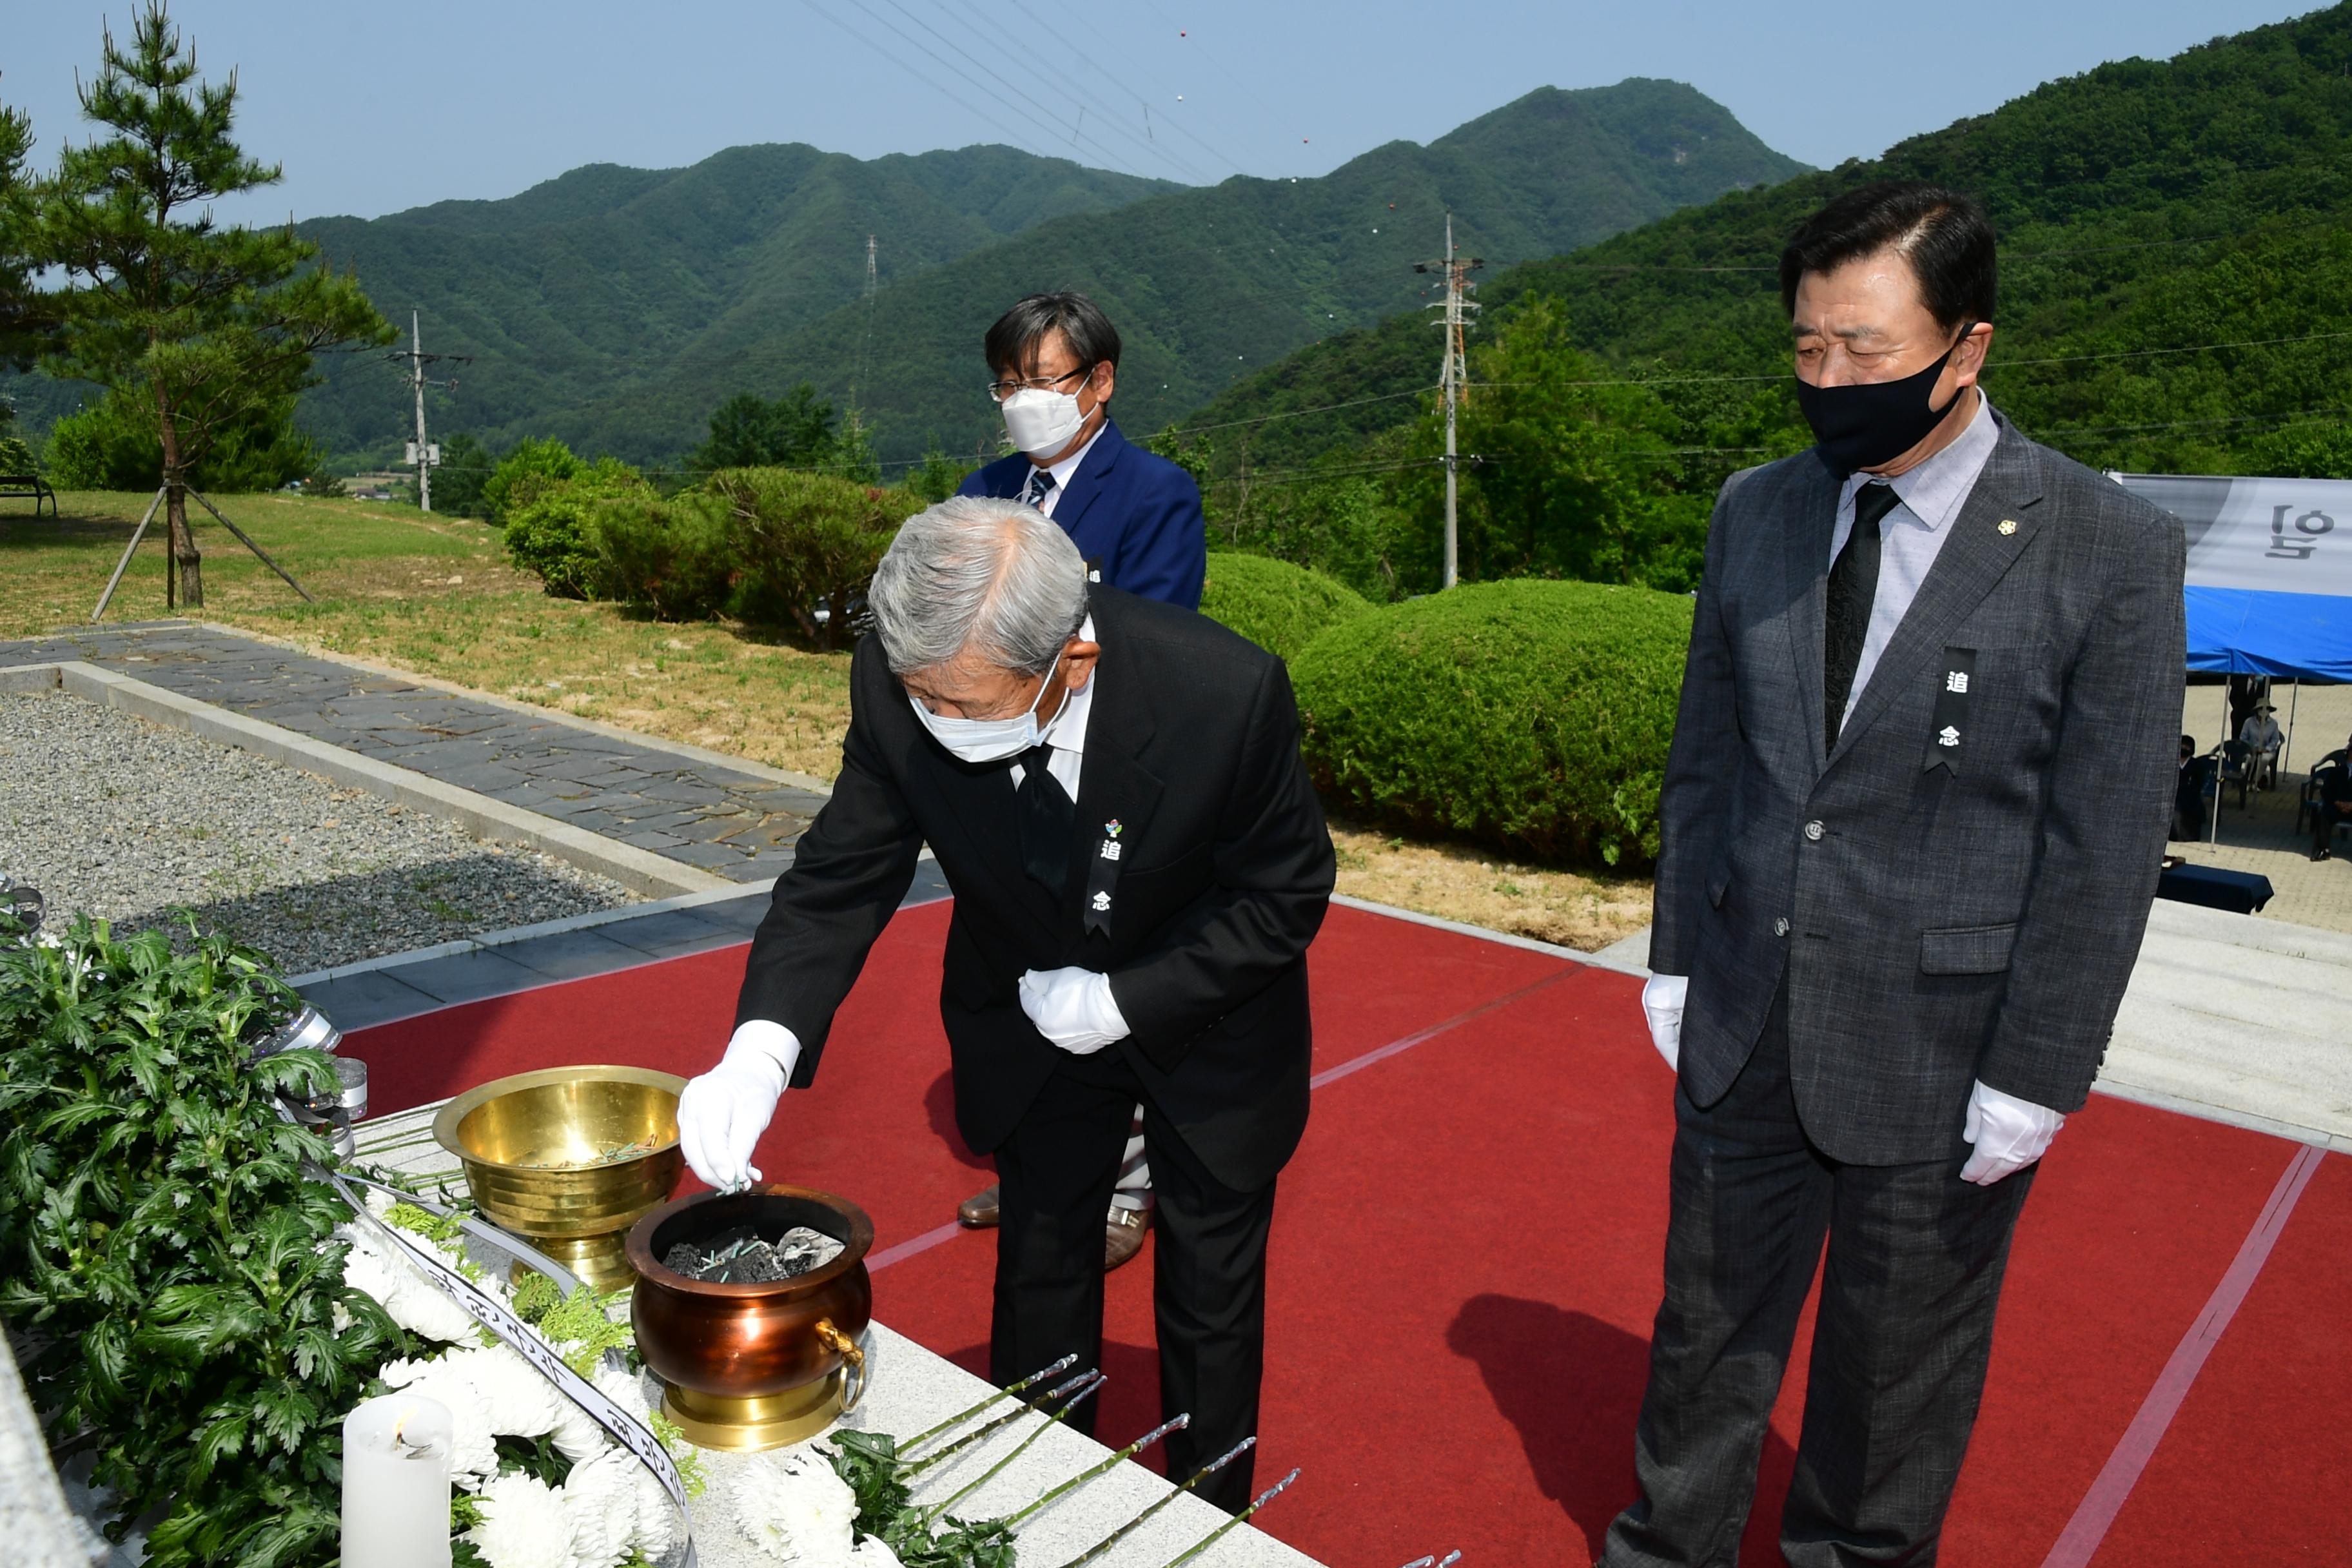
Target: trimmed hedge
(1533,715)
(765,545)
(547,523)
(1279,607)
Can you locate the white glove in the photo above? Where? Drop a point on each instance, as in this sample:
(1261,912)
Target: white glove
(2008,1133)
(1074,1008)
(721,1114)
(1662,1003)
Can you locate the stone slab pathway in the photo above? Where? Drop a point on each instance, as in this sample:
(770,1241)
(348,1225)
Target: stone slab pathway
(730,821)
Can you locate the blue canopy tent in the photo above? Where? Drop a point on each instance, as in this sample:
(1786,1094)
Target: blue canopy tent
(2270,581)
(2270,584)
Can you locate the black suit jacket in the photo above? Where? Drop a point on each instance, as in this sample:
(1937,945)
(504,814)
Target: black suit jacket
(1936,923)
(1225,869)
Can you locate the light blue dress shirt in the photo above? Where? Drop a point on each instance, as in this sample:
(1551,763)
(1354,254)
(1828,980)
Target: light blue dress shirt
(1913,531)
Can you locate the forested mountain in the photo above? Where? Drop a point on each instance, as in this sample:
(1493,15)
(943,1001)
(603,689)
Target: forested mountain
(1207,284)
(2150,213)
(616,306)
(607,277)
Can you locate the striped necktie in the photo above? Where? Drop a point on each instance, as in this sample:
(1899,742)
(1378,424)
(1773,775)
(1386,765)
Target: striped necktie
(1040,485)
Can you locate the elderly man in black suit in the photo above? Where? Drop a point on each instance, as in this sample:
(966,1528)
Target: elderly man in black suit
(1892,934)
(1114,790)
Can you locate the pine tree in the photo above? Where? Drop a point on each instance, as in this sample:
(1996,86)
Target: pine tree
(206,324)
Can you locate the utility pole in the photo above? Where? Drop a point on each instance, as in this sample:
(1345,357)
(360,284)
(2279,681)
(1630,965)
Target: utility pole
(422,455)
(865,349)
(1453,374)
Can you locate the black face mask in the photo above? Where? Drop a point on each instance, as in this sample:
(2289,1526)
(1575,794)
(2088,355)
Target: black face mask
(1874,422)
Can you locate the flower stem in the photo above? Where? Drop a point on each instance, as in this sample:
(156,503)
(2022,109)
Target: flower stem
(1210,1539)
(1083,1476)
(1023,1447)
(977,1432)
(1203,1473)
(1040,1375)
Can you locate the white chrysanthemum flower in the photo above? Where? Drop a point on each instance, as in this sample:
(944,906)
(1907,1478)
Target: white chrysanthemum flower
(523,1524)
(473,1448)
(407,1297)
(600,1498)
(579,1437)
(522,1403)
(873,1552)
(657,1526)
(623,1388)
(795,1509)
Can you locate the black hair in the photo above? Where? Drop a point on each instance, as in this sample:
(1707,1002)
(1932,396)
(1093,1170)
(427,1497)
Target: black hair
(1944,237)
(1011,343)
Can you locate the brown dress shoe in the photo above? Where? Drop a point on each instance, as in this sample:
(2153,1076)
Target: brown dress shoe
(1123,1232)
(980,1210)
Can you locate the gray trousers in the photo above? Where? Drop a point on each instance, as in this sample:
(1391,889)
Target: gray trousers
(1908,1289)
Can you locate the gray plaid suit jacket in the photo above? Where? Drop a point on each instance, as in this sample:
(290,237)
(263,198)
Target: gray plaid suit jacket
(1935,924)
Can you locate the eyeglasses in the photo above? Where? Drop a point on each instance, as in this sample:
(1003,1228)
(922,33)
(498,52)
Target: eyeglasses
(1000,390)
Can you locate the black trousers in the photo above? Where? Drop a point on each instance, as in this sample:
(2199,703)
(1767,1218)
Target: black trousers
(1912,1277)
(1055,1174)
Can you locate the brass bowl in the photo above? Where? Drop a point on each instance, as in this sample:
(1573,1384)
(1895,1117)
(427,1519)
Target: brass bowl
(533,1147)
(753,1366)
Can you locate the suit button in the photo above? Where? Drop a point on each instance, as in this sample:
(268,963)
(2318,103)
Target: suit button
(1813,831)
(1780,926)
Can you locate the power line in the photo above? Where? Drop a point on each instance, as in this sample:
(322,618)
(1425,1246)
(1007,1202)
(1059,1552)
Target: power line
(1062,35)
(989,29)
(986,119)
(974,67)
(1298,412)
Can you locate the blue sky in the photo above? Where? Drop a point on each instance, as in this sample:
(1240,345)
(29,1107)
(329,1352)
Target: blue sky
(379,108)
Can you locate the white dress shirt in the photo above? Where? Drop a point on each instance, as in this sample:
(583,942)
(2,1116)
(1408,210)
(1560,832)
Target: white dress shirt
(1062,468)
(1913,531)
(1068,734)
(1068,739)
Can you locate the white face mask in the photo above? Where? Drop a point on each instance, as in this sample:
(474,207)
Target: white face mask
(1040,422)
(982,740)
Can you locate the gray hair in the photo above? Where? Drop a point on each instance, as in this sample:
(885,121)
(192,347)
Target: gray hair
(978,576)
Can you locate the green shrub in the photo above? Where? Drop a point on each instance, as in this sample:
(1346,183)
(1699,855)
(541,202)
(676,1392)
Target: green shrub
(801,538)
(1531,715)
(534,465)
(676,558)
(1277,605)
(116,443)
(548,533)
(17,456)
(169,1263)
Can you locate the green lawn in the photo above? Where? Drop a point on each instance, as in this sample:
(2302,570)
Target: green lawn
(435,595)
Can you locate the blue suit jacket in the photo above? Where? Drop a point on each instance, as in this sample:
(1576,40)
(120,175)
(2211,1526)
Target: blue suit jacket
(1135,513)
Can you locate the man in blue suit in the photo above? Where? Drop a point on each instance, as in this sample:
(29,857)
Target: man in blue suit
(1135,517)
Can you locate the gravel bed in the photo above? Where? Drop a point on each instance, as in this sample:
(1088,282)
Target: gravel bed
(109,814)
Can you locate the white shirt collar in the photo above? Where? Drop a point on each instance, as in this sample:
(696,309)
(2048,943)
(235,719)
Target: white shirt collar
(1069,731)
(1933,491)
(1062,468)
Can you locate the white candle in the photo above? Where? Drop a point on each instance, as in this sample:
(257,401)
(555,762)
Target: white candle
(396,1483)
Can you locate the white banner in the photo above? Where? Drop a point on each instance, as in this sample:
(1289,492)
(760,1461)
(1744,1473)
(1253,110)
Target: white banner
(2272,536)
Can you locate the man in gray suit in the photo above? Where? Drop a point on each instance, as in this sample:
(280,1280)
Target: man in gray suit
(1911,826)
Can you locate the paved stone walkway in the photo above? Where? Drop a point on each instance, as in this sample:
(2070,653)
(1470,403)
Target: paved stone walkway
(732,821)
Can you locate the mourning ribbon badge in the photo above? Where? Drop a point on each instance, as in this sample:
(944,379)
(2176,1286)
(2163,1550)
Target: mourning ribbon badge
(1951,723)
(1102,877)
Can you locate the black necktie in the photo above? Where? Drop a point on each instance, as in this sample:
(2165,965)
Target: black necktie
(1047,816)
(1853,587)
(1040,485)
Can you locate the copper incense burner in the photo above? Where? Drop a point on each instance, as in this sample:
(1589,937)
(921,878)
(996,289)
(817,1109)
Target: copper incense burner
(752,1366)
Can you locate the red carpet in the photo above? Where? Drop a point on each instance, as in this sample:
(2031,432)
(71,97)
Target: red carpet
(1485,1396)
